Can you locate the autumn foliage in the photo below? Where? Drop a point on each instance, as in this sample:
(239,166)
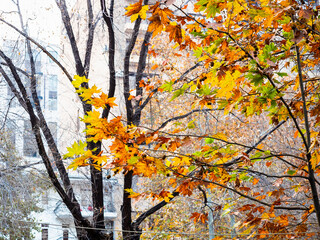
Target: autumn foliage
(259,65)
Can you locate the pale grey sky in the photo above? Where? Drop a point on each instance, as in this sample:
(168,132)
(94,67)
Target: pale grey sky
(42,16)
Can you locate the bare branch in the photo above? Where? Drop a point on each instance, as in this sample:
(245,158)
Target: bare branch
(91,28)
(112,72)
(73,43)
(14,89)
(42,48)
(184,116)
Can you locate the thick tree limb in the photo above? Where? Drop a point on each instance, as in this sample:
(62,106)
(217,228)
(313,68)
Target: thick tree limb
(112,72)
(73,43)
(18,69)
(126,205)
(139,75)
(36,130)
(126,80)
(152,210)
(91,28)
(96,175)
(311,178)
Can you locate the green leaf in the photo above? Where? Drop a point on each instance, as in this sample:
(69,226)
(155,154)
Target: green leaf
(133,160)
(205,90)
(291,172)
(167,86)
(244,177)
(191,168)
(179,92)
(209,140)
(281,74)
(191,124)
(198,52)
(256,79)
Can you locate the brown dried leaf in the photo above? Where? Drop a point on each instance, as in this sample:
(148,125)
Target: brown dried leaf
(305,13)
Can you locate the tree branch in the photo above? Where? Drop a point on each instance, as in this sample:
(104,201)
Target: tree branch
(14,89)
(177,80)
(91,28)
(152,210)
(67,24)
(140,71)
(42,48)
(112,72)
(184,116)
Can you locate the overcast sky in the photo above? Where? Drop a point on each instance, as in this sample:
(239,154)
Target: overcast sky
(42,16)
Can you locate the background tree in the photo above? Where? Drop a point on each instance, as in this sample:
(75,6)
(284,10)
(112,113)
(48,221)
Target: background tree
(20,190)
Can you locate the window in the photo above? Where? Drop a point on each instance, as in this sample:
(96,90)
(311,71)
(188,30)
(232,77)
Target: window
(52,95)
(108,198)
(30,148)
(53,104)
(44,231)
(53,92)
(53,83)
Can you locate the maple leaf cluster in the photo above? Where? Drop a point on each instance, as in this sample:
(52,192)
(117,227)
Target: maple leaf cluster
(259,67)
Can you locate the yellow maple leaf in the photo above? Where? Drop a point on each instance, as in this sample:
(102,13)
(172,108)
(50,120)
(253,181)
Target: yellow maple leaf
(227,84)
(79,80)
(175,32)
(137,10)
(87,93)
(99,159)
(91,117)
(81,161)
(110,102)
(315,159)
(220,136)
(142,14)
(165,195)
(155,26)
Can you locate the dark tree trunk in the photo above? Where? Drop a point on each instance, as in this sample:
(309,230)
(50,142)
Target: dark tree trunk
(126,209)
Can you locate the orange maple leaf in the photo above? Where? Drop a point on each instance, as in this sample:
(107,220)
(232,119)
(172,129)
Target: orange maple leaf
(197,217)
(103,101)
(133,8)
(175,33)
